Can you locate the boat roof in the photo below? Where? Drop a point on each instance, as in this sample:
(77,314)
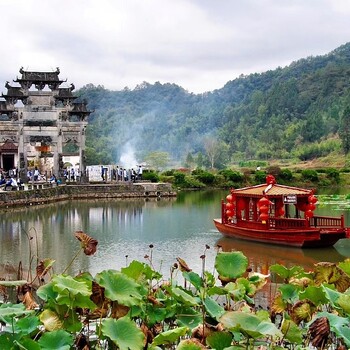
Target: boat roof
(271,190)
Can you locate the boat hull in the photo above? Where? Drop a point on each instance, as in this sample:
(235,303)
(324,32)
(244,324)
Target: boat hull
(303,238)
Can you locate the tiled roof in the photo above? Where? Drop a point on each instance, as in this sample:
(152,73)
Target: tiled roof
(271,191)
(8,146)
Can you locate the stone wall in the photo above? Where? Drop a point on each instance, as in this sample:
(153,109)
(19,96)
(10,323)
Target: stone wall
(96,191)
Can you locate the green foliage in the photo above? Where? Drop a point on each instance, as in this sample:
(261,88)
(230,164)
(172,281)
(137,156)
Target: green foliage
(260,177)
(300,110)
(231,175)
(309,174)
(344,130)
(118,309)
(150,175)
(204,176)
(333,174)
(285,174)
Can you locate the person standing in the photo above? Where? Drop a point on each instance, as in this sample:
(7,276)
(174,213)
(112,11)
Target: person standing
(139,173)
(36,174)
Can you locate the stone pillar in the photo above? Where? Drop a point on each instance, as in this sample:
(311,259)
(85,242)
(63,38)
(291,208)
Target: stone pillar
(58,163)
(22,165)
(82,157)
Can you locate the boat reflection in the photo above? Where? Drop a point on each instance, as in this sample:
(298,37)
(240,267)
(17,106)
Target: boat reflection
(261,256)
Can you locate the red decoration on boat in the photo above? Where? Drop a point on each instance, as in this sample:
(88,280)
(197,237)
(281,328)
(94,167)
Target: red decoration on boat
(278,218)
(229,198)
(230,206)
(270,180)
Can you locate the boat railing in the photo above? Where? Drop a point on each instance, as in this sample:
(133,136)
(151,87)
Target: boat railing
(287,223)
(327,221)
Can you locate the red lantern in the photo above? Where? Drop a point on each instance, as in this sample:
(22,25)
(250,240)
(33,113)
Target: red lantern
(281,211)
(263,217)
(312,199)
(263,206)
(264,209)
(311,207)
(229,198)
(229,213)
(270,180)
(309,214)
(263,202)
(229,206)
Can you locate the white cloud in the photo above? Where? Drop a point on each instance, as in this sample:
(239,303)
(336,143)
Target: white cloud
(198,44)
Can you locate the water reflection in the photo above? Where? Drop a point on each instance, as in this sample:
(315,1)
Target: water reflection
(125,229)
(263,255)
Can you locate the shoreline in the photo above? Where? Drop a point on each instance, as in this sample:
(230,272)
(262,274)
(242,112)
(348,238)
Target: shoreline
(38,196)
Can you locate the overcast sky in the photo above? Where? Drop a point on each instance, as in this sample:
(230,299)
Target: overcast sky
(197,44)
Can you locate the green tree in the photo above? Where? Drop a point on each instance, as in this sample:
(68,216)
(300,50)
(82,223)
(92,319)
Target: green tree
(216,151)
(344,130)
(157,160)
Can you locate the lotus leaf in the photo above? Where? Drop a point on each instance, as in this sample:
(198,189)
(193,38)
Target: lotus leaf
(236,291)
(194,279)
(190,344)
(289,292)
(51,320)
(119,287)
(286,273)
(124,333)
(231,264)
(291,331)
(184,296)
(27,325)
(330,273)
(279,304)
(13,283)
(27,344)
(58,340)
(345,266)
(9,311)
(249,324)
(169,337)
(140,271)
(315,294)
(72,292)
(189,317)
(219,340)
(302,311)
(213,308)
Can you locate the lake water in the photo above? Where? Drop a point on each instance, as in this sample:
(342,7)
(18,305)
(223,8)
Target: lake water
(125,230)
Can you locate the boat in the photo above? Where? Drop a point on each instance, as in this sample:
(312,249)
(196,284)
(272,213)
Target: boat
(278,214)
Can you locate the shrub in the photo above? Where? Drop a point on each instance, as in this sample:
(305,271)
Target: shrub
(260,177)
(286,175)
(231,175)
(151,176)
(309,174)
(333,174)
(204,176)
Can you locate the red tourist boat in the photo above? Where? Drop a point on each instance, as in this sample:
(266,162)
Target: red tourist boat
(278,214)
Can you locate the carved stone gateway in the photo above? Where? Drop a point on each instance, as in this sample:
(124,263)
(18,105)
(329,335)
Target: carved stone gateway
(38,118)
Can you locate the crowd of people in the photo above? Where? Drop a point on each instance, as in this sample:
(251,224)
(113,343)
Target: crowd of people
(10,180)
(122,174)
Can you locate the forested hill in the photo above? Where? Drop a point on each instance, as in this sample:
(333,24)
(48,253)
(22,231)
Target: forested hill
(293,111)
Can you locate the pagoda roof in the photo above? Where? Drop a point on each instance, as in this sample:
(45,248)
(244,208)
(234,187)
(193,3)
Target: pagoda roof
(80,108)
(39,76)
(271,190)
(64,93)
(13,91)
(8,146)
(3,107)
